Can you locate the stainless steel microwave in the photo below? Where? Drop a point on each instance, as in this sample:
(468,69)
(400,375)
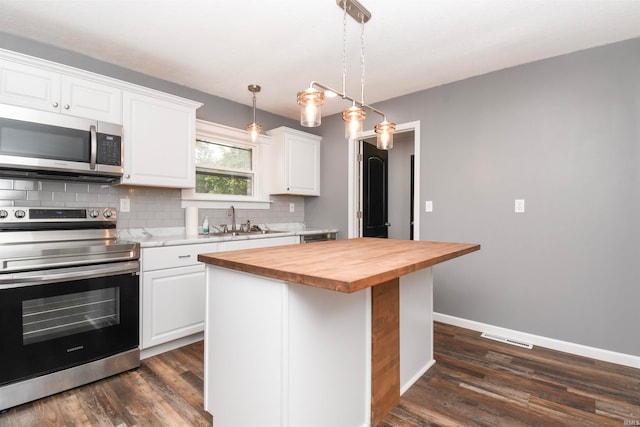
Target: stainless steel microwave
(40,144)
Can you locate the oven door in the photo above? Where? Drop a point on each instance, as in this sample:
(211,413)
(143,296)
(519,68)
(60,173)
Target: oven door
(56,319)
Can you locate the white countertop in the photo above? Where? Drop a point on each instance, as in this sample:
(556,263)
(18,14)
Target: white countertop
(171,236)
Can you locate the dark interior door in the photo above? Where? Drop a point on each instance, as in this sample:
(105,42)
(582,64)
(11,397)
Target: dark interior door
(412,201)
(375,191)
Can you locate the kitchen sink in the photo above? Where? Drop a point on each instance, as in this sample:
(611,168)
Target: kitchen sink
(246,233)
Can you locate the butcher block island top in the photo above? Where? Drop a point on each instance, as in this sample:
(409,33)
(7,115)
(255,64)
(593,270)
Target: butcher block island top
(347,265)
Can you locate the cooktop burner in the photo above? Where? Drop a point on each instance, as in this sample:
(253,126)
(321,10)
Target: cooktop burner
(37,238)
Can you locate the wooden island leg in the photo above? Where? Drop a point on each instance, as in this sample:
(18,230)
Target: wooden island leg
(385,349)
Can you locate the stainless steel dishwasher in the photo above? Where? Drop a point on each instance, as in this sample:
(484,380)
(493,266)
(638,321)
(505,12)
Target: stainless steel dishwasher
(318,237)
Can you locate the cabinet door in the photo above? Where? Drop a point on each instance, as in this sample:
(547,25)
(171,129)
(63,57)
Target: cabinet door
(291,163)
(302,164)
(92,100)
(173,304)
(159,142)
(29,86)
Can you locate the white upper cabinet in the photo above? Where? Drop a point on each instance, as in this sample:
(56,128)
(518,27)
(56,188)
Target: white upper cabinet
(85,98)
(30,87)
(158,128)
(292,163)
(159,142)
(43,89)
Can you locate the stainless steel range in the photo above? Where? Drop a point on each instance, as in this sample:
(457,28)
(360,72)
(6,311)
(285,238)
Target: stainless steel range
(69,301)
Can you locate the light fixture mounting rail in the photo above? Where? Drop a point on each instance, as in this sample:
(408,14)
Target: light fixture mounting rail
(355,10)
(345,96)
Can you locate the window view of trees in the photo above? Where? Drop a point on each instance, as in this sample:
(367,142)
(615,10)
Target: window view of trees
(222,183)
(223,169)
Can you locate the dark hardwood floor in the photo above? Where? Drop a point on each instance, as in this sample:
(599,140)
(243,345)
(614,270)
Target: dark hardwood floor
(167,390)
(475,382)
(478,382)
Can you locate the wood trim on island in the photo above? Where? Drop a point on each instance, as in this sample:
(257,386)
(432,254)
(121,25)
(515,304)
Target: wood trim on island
(347,265)
(385,349)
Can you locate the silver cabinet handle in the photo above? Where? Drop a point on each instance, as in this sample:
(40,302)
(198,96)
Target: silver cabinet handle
(55,104)
(67,106)
(184,256)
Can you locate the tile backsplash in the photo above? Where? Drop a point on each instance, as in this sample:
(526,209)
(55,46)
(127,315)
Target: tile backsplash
(149,207)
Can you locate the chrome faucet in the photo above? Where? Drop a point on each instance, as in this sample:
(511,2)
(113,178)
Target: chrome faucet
(233,218)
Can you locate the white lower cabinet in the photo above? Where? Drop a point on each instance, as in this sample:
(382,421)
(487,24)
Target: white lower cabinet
(173,305)
(173,289)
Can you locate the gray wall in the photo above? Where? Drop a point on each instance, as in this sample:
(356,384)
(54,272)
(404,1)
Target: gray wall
(150,207)
(400,186)
(330,209)
(563,135)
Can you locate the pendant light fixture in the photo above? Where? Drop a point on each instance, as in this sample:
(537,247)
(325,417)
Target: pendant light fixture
(254,128)
(312,99)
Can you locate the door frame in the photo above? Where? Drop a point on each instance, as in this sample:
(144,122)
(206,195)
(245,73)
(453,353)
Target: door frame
(355,179)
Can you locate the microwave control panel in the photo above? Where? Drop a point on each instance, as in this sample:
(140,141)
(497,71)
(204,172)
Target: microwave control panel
(109,149)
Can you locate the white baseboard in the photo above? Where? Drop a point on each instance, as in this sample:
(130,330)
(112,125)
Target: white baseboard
(554,344)
(171,345)
(416,377)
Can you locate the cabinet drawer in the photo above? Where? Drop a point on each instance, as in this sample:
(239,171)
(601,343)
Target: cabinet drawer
(259,243)
(174,256)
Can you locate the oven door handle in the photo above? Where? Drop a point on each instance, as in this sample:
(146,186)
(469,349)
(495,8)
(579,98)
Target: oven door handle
(70,259)
(40,277)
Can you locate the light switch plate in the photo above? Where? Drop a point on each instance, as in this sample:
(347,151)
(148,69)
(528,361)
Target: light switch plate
(292,207)
(428,206)
(125,205)
(519,206)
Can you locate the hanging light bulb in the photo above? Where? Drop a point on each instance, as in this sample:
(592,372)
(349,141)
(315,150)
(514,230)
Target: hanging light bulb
(354,121)
(385,130)
(310,101)
(254,128)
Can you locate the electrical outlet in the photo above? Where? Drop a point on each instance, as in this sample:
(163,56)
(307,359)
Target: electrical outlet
(125,205)
(428,206)
(519,206)
(292,207)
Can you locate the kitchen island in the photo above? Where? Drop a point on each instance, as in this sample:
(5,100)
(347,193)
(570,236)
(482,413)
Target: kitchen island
(329,333)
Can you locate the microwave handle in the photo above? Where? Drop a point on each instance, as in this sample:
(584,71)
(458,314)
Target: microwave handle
(94,147)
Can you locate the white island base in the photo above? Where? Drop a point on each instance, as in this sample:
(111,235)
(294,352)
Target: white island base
(286,354)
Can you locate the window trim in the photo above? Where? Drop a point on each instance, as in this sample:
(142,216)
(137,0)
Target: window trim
(236,137)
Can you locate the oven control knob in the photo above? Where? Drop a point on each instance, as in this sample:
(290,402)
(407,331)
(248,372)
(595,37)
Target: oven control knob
(20,214)
(107,213)
(3,214)
(94,213)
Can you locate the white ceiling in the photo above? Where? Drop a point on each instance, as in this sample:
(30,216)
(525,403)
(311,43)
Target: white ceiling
(220,47)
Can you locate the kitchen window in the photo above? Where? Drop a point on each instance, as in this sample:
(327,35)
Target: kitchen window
(224,168)
(227,169)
